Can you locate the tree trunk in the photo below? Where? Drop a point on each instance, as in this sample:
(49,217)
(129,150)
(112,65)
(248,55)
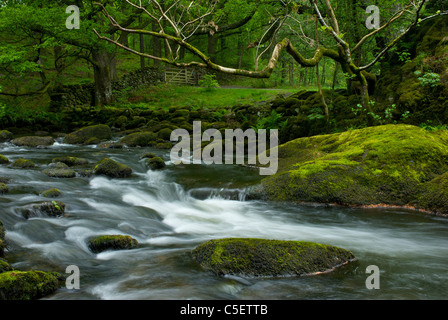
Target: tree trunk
(156,46)
(211,46)
(103,77)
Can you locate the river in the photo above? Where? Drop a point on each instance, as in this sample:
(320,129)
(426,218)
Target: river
(170,212)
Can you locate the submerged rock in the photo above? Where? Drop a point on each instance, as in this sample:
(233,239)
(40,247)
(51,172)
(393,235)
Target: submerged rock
(89,135)
(51,209)
(5,136)
(71,161)
(112,242)
(27,285)
(23,163)
(372,166)
(59,170)
(33,141)
(268,258)
(3,160)
(113,169)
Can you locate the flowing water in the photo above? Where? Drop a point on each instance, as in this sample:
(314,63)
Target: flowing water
(172,211)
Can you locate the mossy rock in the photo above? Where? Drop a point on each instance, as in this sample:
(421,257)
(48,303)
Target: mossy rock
(23,163)
(165,134)
(59,170)
(435,195)
(89,135)
(113,169)
(268,258)
(377,165)
(5,136)
(148,155)
(156,163)
(33,141)
(3,188)
(112,242)
(4,266)
(3,159)
(139,139)
(27,285)
(71,161)
(43,209)
(51,193)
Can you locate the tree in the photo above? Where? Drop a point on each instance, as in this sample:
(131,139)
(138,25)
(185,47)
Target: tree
(341,50)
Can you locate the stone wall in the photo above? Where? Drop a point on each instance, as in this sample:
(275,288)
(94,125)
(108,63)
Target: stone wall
(83,95)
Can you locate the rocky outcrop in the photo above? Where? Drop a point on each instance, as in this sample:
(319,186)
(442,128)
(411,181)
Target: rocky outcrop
(113,169)
(89,135)
(33,141)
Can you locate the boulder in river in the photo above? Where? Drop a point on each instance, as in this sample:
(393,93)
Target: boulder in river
(112,242)
(71,161)
(50,208)
(3,160)
(51,193)
(23,163)
(113,169)
(89,135)
(155,163)
(5,266)
(27,285)
(140,139)
(3,188)
(59,170)
(33,141)
(5,136)
(269,258)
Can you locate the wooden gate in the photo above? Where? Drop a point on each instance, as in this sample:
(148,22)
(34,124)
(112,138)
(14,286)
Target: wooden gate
(183,76)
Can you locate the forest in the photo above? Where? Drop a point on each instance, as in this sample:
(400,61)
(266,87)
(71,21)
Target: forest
(95,94)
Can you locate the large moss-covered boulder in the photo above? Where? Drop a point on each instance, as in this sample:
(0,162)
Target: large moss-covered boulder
(155,163)
(51,193)
(33,141)
(43,209)
(434,195)
(268,258)
(89,135)
(377,165)
(112,242)
(23,163)
(5,136)
(112,168)
(140,139)
(5,266)
(27,285)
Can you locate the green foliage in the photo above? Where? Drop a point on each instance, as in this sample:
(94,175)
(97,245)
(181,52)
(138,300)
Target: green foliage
(428,79)
(209,82)
(429,126)
(270,122)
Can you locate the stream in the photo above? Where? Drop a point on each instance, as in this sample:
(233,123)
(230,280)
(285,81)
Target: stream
(172,211)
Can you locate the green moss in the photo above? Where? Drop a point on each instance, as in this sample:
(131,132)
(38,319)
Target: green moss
(51,193)
(23,163)
(156,163)
(268,258)
(29,285)
(434,195)
(89,135)
(384,164)
(3,188)
(60,173)
(71,161)
(4,266)
(51,209)
(33,141)
(112,242)
(5,136)
(139,139)
(113,169)
(165,134)
(3,160)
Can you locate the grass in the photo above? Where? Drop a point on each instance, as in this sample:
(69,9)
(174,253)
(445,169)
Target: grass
(164,97)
